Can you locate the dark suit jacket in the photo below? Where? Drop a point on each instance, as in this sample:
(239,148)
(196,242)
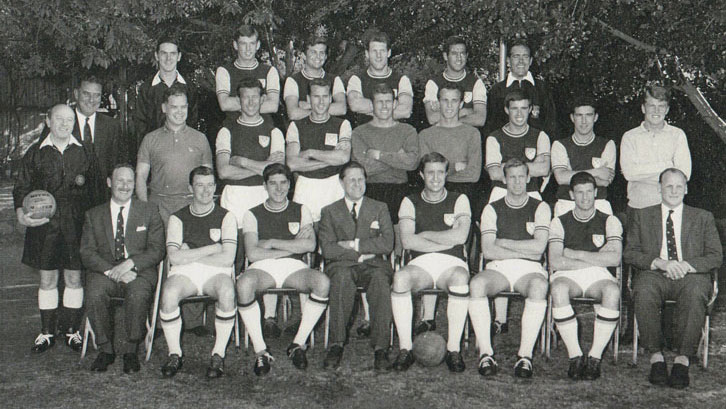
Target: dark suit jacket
(700,242)
(336,224)
(144,239)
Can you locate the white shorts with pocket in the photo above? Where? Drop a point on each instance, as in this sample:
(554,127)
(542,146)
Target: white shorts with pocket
(278,268)
(515,268)
(199,273)
(436,263)
(585,277)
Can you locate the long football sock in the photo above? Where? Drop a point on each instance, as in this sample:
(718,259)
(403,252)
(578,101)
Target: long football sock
(566,322)
(223,325)
(481,319)
(402,308)
(250,314)
(311,312)
(456,310)
(72,302)
(532,317)
(48,305)
(171,323)
(605,322)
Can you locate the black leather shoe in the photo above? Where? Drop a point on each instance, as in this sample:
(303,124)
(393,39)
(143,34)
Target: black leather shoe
(592,370)
(577,367)
(262,363)
(102,361)
(297,354)
(404,360)
(270,329)
(425,326)
(454,361)
(380,360)
(487,365)
(332,360)
(658,374)
(364,329)
(75,341)
(216,367)
(499,328)
(173,364)
(523,368)
(43,342)
(679,377)
(131,363)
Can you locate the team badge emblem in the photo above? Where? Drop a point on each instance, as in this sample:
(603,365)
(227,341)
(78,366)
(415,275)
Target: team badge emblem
(331,139)
(468,96)
(535,111)
(596,162)
(530,228)
(215,234)
(598,240)
(80,180)
(294,227)
(530,153)
(375,225)
(264,140)
(449,219)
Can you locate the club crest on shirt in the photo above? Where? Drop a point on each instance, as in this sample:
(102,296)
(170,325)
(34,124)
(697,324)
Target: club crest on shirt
(215,234)
(264,140)
(530,153)
(375,225)
(449,219)
(468,96)
(597,162)
(293,227)
(80,180)
(530,228)
(331,139)
(598,240)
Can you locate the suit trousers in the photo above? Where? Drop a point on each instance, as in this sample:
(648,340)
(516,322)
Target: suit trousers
(691,293)
(344,280)
(137,296)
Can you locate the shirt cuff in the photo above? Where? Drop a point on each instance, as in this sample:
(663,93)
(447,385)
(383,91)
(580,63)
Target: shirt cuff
(356,244)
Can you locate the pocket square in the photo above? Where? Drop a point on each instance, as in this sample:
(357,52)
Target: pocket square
(140,228)
(375,225)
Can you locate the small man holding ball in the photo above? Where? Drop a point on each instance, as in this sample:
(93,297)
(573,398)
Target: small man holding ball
(61,166)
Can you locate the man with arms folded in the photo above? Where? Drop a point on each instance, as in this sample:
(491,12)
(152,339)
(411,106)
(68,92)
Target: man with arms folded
(277,234)
(583,243)
(514,231)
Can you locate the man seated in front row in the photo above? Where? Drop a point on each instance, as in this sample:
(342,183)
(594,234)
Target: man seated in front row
(583,243)
(201,243)
(674,247)
(277,233)
(434,226)
(514,231)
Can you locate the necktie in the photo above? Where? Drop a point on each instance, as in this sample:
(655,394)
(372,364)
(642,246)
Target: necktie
(671,238)
(353,213)
(119,241)
(87,136)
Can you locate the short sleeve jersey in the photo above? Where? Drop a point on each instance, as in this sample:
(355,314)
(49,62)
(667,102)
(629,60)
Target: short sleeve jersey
(254,141)
(436,216)
(199,230)
(502,145)
(228,77)
(298,85)
(366,83)
(283,224)
(511,222)
(570,155)
(585,234)
(323,136)
(474,90)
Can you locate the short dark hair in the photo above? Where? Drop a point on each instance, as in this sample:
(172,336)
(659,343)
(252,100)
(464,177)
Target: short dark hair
(121,165)
(384,89)
(583,101)
(246,30)
(276,169)
(91,79)
(516,95)
(379,37)
(200,171)
(518,42)
(314,40)
(175,90)
(658,92)
(433,157)
(249,83)
(452,41)
(582,178)
(513,163)
(321,82)
(672,170)
(450,86)
(168,40)
(352,165)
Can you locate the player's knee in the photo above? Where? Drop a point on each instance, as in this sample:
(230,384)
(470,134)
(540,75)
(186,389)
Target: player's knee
(537,288)
(321,285)
(611,294)
(226,294)
(401,281)
(170,297)
(459,276)
(48,283)
(560,292)
(477,287)
(245,286)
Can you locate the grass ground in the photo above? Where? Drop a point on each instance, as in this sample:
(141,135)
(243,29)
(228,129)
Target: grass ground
(58,379)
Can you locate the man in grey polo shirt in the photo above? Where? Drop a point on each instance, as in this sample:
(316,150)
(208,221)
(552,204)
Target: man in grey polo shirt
(169,154)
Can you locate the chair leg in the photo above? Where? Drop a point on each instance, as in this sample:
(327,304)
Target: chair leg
(635,341)
(86,332)
(706,340)
(548,328)
(149,339)
(236,330)
(327,328)
(466,333)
